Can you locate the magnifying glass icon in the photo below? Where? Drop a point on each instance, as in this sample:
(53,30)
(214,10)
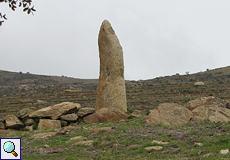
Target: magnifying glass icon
(9,147)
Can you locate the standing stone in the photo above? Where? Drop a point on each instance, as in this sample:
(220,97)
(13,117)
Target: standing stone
(111,88)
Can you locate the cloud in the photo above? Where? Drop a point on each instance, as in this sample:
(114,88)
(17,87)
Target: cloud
(159,38)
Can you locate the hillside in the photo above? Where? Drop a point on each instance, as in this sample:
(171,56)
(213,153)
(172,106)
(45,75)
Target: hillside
(15,84)
(20,90)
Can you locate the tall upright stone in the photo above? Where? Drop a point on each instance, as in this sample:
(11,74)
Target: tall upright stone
(111,88)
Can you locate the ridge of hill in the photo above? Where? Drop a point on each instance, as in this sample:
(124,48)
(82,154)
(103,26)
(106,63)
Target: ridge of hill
(14,83)
(217,74)
(19,78)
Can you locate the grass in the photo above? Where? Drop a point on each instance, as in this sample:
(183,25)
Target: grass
(128,139)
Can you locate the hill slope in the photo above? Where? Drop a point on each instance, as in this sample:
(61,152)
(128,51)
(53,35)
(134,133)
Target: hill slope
(18,90)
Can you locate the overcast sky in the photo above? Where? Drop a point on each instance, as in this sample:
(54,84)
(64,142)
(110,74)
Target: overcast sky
(158,37)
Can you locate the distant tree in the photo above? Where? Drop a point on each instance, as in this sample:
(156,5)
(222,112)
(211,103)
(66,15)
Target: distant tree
(25,4)
(187,73)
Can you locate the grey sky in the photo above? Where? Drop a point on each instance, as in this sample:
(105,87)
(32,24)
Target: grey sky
(158,38)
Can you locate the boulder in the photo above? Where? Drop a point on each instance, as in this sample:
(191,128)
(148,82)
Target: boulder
(210,108)
(23,112)
(205,101)
(212,113)
(69,117)
(49,124)
(12,122)
(201,112)
(54,112)
(29,122)
(218,114)
(85,111)
(111,90)
(105,115)
(169,114)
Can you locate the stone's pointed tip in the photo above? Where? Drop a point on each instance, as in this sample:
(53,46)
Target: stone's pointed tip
(106,22)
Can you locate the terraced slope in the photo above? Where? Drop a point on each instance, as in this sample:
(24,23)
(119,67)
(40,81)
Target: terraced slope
(142,95)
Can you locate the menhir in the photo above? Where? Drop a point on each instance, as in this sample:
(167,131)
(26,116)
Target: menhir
(111,88)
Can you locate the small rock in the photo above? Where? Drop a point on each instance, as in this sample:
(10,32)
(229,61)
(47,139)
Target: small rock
(78,138)
(86,143)
(43,135)
(199,144)
(48,134)
(136,113)
(29,128)
(159,142)
(96,130)
(71,127)
(133,146)
(73,124)
(153,148)
(224,151)
(58,133)
(46,146)
(208,155)
(63,123)
(41,101)
(116,145)
(198,83)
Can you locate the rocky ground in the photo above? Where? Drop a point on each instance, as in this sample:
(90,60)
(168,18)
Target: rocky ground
(130,139)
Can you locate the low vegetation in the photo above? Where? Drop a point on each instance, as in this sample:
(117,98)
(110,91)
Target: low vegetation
(128,139)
